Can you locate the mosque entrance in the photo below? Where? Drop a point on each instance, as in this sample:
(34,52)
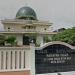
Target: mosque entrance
(29,39)
(26,40)
(54,58)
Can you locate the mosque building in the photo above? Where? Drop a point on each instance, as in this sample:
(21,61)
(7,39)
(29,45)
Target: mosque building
(20,59)
(27,28)
(32,53)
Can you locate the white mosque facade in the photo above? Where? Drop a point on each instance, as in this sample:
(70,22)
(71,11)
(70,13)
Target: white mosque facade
(27,28)
(20,59)
(31,45)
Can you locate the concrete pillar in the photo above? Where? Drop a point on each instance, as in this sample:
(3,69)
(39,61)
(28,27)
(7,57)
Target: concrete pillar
(0,60)
(17,63)
(4,60)
(27,59)
(39,40)
(9,60)
(22,59)
(19,39)
(13,59)
(32,58)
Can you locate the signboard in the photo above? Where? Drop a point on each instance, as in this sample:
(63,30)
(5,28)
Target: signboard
(57,58)
(54,58)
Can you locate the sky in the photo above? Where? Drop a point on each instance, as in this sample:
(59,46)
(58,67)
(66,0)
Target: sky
(59,12)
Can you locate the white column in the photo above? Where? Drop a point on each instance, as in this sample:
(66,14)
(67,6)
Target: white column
(0,60)
(9,60)
(13,59)
(4,60)
(19,39)
(17,60)
(39,40)
(22,59)
(27,58)
(32,59)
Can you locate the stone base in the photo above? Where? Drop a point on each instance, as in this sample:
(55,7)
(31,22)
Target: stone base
(27,72)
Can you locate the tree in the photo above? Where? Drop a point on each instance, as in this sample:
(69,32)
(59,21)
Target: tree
(2,39)
(67,36)
(47,39)
(11,40)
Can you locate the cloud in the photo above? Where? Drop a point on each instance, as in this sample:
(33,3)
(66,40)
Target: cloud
(58,11)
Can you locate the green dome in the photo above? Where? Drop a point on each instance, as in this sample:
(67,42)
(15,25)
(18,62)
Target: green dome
(26,13)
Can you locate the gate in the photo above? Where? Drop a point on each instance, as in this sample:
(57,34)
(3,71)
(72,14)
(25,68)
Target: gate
(54,57)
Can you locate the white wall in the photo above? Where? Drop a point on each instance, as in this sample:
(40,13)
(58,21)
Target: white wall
(18,58)
(39,40)
(19,39)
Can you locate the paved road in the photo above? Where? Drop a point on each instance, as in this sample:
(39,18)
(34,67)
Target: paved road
(64,73)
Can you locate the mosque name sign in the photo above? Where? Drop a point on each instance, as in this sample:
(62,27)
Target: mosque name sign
(54,58)
(57,58)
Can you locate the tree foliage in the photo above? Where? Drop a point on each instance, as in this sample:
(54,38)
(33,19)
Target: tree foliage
(11,40)
(47,39)
(2,39)
(67,36)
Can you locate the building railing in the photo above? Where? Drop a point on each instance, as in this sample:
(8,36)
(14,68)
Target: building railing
(26,21)
(26,30)
(13,58)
